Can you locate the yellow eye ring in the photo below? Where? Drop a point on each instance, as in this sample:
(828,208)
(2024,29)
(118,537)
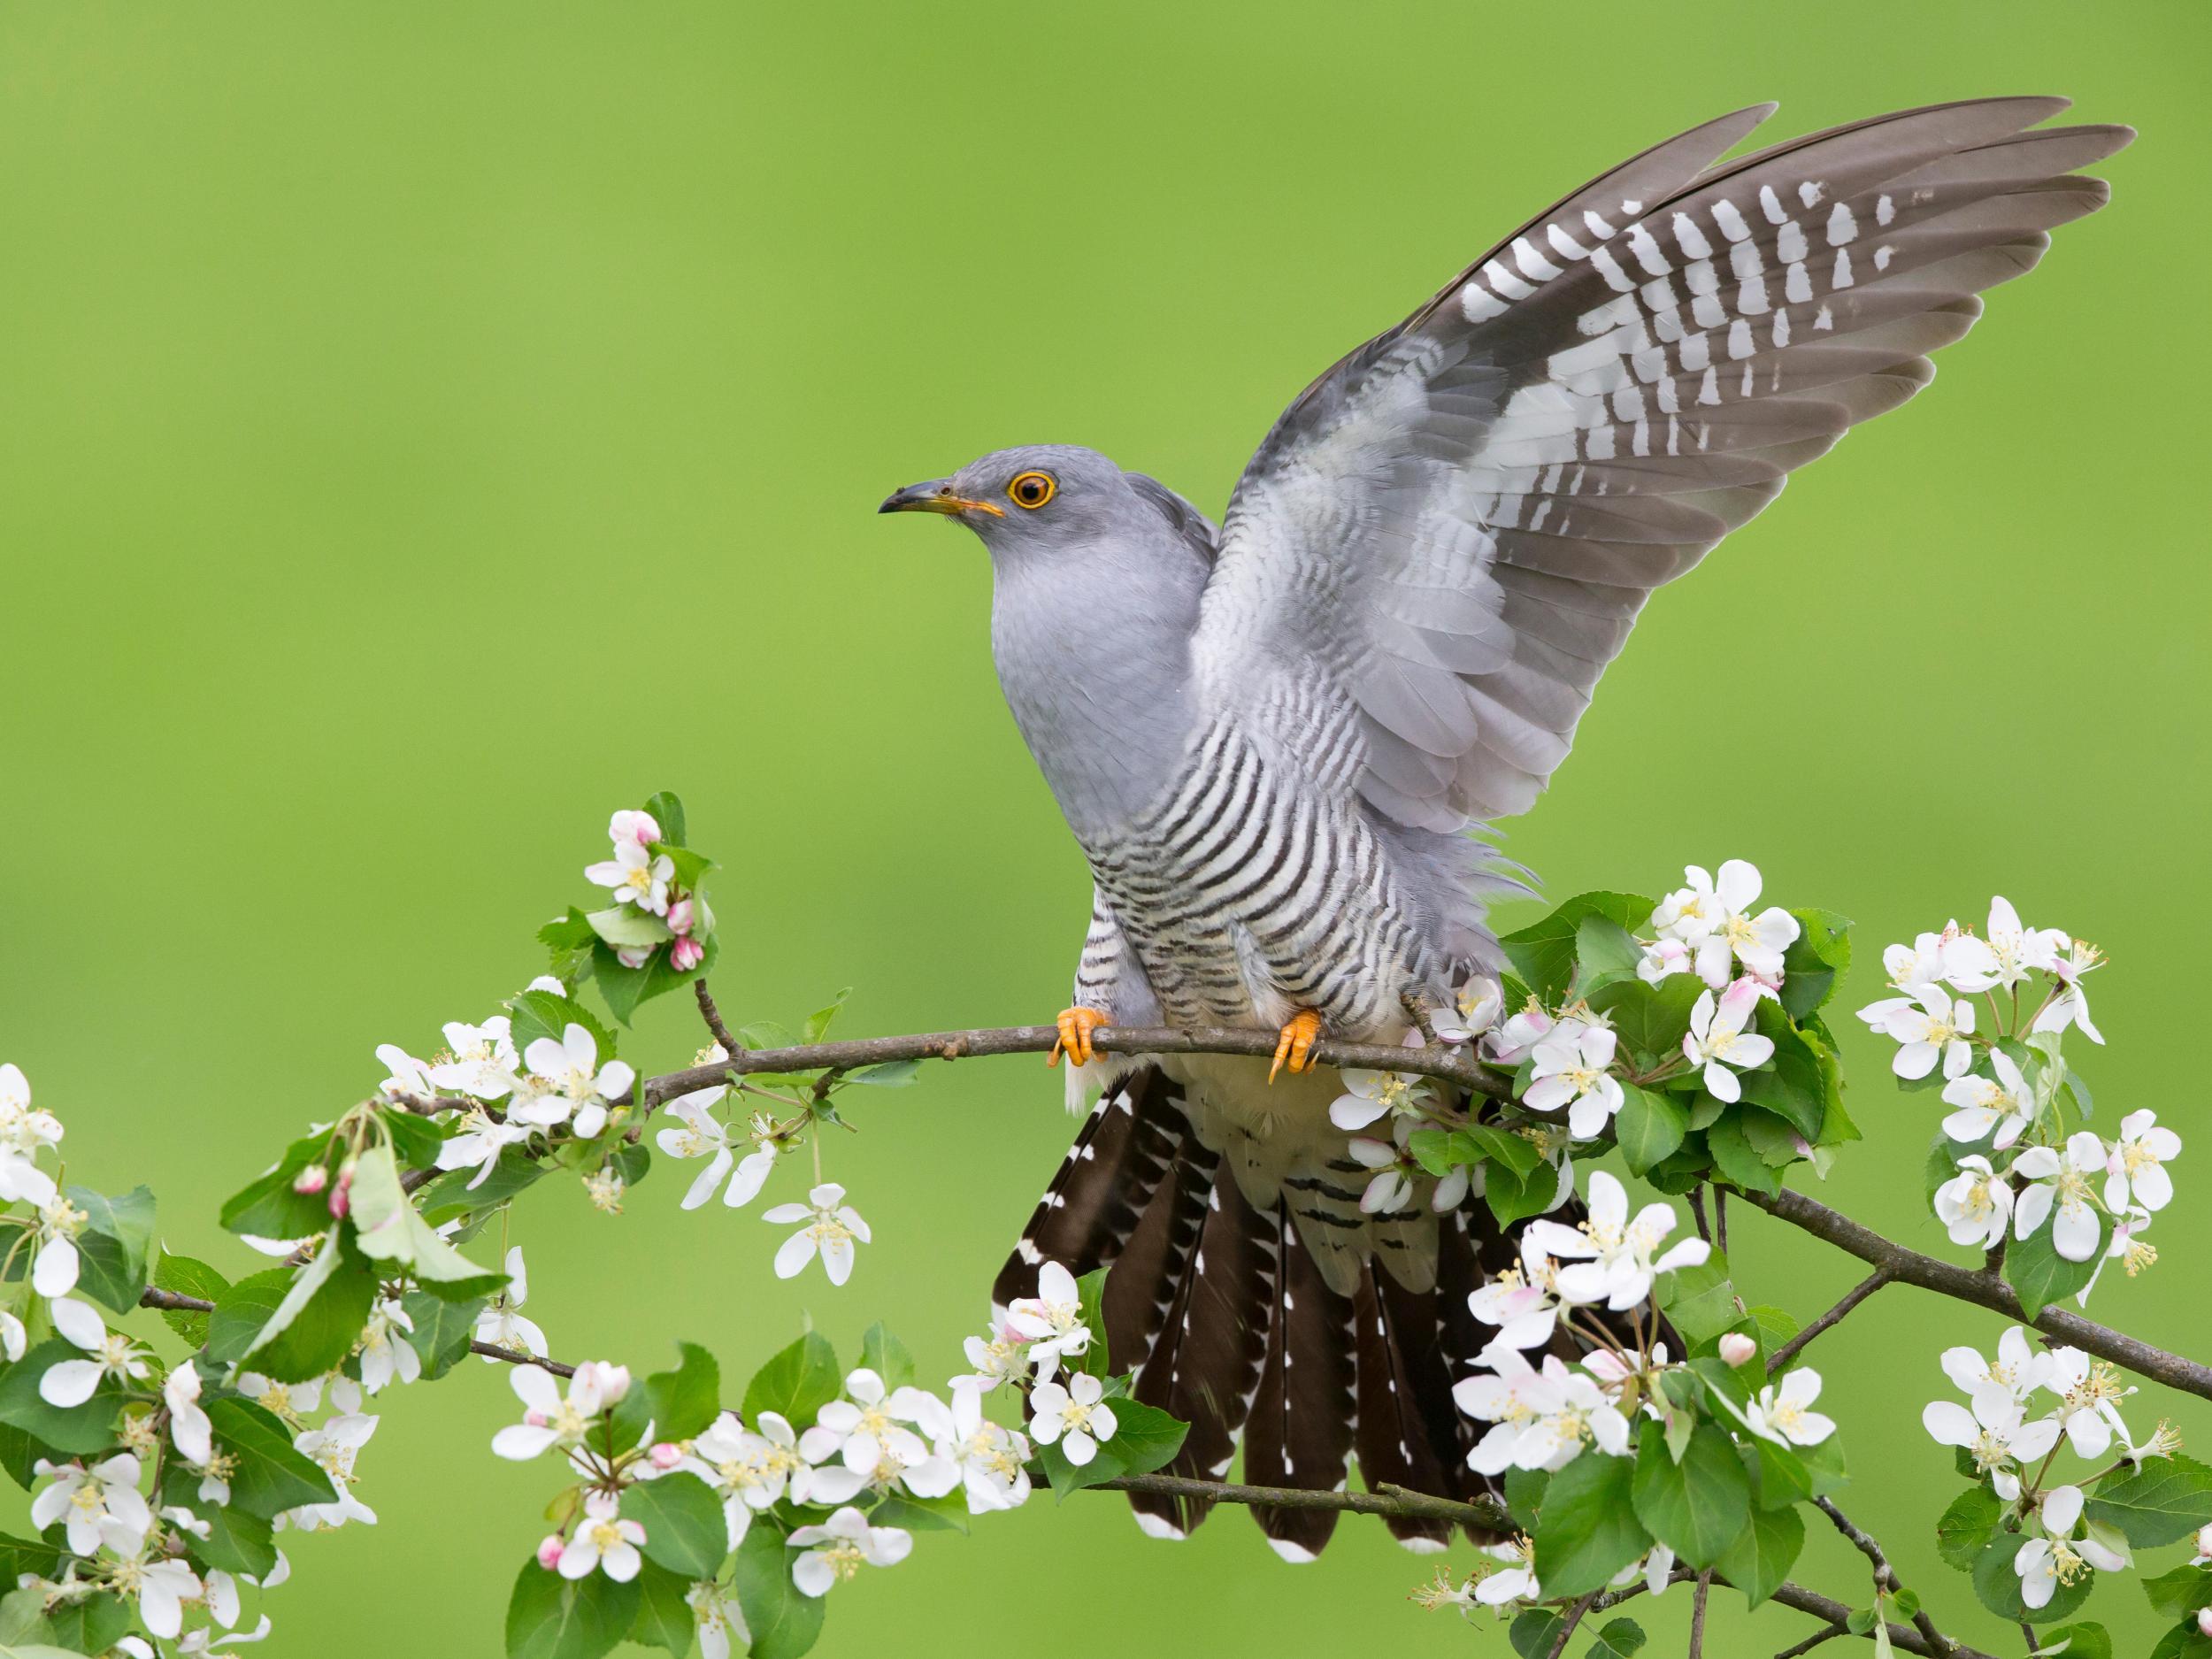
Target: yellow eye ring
(1031,489)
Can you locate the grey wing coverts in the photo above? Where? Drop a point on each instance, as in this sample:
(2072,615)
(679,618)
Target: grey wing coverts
(1456,525)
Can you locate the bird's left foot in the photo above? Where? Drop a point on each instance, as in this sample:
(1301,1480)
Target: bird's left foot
(1295,1047)
(1076,1025)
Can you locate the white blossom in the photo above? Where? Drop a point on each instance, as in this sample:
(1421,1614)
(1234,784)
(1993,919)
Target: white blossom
(548,1420)
(2070,1005)
(2088,1394)
(74,1381)
(702,1136)
(2000,1385)
(2006,1104)
(1933,1027)
(1570,1072)
(836,1550)
(502,1324)
(1718,1038)
(1975,1204)
(989,1456)
(161,1588)
(1389,1187)
(481,1060)
(1712,919)
(1610,1256)
(2016,951)
(870,1424)
(1521,1301)
(480,1139)
(1780,1414)
(98,1506)
(2135,1170)
(1076,1417)
(1516,1580)
(24,1131)
(638,877)
(1372,1096)
(604,1542)
(582,1089)
(1516,1039)
(385,1352)
(832,1227)
(2061,1181)
(408,1075)
(334,1446)
(2126,1247)
(1542,1419)
(721,1621)
(2057,1557)
(1051,1322)
(189,1425)
(1473,1012)
(54,1268)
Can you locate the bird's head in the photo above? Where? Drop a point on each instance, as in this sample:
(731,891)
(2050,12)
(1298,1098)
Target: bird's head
(1039,498)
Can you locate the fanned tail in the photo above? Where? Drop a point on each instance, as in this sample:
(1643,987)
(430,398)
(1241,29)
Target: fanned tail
(1301,1431)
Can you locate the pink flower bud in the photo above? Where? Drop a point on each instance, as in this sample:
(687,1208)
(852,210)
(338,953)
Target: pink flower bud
(2204,1540)
(311,1179)
(667,1455)
(640,827)
(680,916)
(341,1198)
(635,956)
(613,1380)
(2204,1620)
(1736,1349)
(550,1548)
(685,953)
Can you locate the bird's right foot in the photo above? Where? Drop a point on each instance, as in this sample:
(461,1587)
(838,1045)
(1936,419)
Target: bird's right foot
(1076,1025)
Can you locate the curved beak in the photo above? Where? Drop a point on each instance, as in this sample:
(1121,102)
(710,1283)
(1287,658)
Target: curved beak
(936,496)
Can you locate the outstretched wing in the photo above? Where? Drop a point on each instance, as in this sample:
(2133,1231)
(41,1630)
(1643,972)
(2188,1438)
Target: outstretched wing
(1454,529)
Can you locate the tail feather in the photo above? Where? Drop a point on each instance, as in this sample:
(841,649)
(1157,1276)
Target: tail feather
(1391,1435)
(1299,1433)
(1205,1366)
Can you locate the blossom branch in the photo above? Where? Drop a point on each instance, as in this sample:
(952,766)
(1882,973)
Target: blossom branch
(1852,1298)
(1984,1289)
(1904,1638)
(1448,1065)
(1886,1576)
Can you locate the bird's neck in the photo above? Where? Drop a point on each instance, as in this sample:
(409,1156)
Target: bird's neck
(1092,648)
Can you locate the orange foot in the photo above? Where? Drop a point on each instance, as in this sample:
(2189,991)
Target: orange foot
(1076,1027)
(1296,1044)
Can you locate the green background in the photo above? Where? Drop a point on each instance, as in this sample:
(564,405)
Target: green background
(427,426)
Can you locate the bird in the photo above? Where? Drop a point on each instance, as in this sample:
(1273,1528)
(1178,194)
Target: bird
(1280,739)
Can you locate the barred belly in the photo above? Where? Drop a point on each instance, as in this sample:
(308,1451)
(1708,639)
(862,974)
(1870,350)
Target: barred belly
(1249,894)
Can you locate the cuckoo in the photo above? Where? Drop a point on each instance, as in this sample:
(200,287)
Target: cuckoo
(1277,739)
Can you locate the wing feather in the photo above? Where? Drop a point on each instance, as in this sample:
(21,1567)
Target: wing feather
(1455,528)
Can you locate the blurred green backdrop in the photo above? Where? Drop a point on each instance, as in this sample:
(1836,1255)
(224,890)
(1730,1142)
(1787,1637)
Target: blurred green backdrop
(427,426)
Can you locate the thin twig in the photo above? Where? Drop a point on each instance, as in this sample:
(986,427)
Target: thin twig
(2027,1631)
(1902,1636)
(1720,1219)
(713,1016)
(1826,1632)
(1567,1626)
(1886,1576)
(1697,1212)
(512,1358)
(1856,1294)
(1984,1290)
(1449,1065)
(1697,1614)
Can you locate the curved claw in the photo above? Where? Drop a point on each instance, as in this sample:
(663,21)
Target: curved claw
(1076,1025)
(1295,1047)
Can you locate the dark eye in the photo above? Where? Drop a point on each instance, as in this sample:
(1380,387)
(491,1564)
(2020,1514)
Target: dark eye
(1031,489)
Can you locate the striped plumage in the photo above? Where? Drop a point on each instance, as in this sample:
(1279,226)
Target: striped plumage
(1272,739)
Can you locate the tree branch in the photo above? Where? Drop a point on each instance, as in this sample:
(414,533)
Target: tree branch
(1886,1576)
(712,1015)
(1449,1065)
(1985,1290)
(1856,1294)
(1567,1624)
(1394,1501)
(1902,1637)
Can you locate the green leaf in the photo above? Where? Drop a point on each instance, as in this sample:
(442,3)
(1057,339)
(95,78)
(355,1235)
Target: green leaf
(677,1403)
(1602,947)
(113,1248)
(2162,1502)
(23,1618)
(187,1277)
(1736,1158)
(1779,1474)
(795,1384)
(1762,1553)
(1816,960)
(1588,1530)
(1482,1141)
(416,1140)
(1649,1128)
(568,941)
(1535,1633)
(1997,1586)
(1525,1494)
(1651,1019)
(443,1329)
(885,1354)
(948,1513)
(625,988)
(1696,1508)
(534,1015)
(665,807)
(236,1541)
(90,1427)
(387,1227)
(552,1617)
(2184,1641)
(295,1325)
(2078,1641)
(1791,1086)
(1619,1638)
(2180,1593)
(684,1529)
(449,1195)
(621,926)
(817,1022)
(269,1209)
(19,1555)
(270,1476)
(784,1622)
(1966,1527)
(93,1624)
(663,1611)
(2035,1269)
(1545,953)
(1770,1328)
(1513,1197)
(888,1074)
(1700,1301)
(1145,1437)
